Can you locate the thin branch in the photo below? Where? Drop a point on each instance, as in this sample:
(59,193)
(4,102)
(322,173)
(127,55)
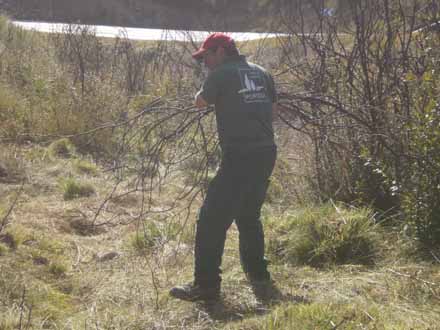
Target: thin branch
(5,219)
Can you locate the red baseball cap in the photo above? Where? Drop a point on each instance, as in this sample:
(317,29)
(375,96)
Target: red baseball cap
(214,41)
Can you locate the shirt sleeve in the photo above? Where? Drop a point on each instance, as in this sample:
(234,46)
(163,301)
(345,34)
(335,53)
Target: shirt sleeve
(211,88)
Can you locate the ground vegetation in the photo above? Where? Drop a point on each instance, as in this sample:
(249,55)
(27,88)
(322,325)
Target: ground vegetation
(105,161)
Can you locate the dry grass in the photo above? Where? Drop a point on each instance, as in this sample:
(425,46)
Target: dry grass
(65,272)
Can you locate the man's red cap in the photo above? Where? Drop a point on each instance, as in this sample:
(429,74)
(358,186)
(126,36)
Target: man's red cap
(214,41)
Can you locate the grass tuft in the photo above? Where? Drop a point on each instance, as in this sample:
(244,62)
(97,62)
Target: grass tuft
(85,167)
(325,236)
(57,268)
(74,189)
(62,148)
(54,305)
(14,236)
(51,245)
(146,238)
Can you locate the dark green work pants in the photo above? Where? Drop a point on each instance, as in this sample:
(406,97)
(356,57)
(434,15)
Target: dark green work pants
(237,193)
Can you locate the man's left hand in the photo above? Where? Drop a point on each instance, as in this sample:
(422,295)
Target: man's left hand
(200,102)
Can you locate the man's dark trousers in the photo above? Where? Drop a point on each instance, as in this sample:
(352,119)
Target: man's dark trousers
(237,193)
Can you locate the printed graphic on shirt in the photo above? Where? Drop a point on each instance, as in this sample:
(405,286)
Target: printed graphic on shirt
(253,87)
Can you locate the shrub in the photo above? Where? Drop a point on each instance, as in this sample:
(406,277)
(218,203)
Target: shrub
(421,189)
(73,189)
(324,236)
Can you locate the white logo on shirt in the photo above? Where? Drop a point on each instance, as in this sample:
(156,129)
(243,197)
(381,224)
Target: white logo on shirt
(250,86)
(253,86)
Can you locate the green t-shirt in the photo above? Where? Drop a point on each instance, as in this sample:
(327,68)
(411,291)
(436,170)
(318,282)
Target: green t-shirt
(243,94)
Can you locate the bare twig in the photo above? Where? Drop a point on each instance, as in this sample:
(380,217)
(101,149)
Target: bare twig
(5,219)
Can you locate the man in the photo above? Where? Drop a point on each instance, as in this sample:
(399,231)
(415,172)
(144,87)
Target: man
(244,97)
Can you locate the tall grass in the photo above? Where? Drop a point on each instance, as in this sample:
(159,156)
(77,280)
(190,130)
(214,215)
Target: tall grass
(324,236)
(73,188)
(71,85)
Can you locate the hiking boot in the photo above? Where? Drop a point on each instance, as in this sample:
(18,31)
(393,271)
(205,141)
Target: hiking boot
(194,292)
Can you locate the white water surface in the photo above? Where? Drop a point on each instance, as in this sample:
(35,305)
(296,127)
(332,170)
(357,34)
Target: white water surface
(138,33)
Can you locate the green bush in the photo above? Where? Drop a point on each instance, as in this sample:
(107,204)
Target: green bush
(324,236)
(74,189)
(421,190)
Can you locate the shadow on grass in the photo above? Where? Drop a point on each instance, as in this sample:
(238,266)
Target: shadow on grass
(225,311)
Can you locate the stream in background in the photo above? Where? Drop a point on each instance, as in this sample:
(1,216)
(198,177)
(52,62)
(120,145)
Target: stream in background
(139,33)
